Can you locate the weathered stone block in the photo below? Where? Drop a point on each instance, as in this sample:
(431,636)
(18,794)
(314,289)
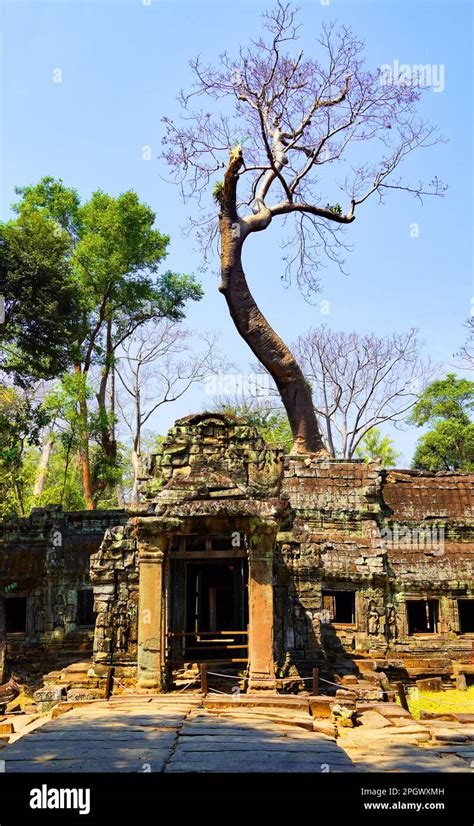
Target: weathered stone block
(321,706)
(430,684)
(51,694)
(76,694)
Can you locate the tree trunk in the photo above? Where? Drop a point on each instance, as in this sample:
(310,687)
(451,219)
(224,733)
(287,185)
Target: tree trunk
(137,446)
(85,461)
(66,469)
(120,496)
(107,438)
(43,465)
(136,453)
(84,453)
(19,498)
(135,464)
(251,324)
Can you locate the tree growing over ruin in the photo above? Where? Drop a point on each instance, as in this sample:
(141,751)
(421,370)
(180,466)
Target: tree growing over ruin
(305,119)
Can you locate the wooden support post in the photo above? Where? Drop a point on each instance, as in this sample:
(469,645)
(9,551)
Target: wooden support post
(402,695)
(204,678)
(109,682)
(315,682)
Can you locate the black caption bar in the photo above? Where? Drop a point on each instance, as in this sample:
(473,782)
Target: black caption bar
(96,798)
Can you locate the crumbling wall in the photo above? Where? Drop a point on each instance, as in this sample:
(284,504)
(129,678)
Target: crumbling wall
(114,574)
(329,545)
(45,559)
(348,531)
(387,536)
(428,532)
(214,455)
(211,474)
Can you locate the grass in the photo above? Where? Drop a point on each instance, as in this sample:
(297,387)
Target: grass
(440,702)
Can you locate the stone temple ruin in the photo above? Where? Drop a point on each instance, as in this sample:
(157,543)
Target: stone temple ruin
(268,565)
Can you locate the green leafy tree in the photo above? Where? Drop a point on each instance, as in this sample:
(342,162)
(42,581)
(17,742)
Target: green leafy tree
(114,253)
(446,407)
(40,298)
(376,446)
(21,420)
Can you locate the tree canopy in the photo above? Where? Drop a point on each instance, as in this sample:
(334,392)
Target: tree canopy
(42,302)
(80,278)
(446,407)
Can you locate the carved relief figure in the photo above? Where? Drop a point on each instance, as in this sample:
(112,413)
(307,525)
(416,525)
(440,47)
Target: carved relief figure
(121,627)
(392,630)
(59,611)
(373,618)
(121,621)
(39,621)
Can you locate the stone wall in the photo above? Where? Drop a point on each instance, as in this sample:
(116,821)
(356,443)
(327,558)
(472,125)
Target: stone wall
(387,536)
(344,527)
(45,560)
(212,474)
(114,574)
(350,548)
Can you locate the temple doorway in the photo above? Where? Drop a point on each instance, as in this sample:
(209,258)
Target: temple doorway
(208,611)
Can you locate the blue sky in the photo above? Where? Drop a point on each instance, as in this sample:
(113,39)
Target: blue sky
(122,66)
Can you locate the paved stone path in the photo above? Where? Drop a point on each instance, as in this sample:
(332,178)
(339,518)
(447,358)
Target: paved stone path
(178,735)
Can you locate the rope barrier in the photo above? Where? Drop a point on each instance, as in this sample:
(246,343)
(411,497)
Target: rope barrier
(121,684)
(187,685)
(342,686)
(226,676)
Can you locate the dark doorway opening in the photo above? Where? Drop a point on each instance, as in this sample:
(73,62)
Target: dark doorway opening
(209,610)
(15,615)
(422,616)
(340,606)
(216,609)
(466,616)
(85,607)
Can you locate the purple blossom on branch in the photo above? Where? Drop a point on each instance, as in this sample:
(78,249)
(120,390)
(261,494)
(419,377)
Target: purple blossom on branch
(299,121)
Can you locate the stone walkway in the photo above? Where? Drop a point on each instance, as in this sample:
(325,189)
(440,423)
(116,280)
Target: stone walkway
(178,735)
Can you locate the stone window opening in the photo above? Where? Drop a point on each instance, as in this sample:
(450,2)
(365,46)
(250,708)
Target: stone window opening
(466,616)
(85,615)
(422,616)
(339,606)
(15,615)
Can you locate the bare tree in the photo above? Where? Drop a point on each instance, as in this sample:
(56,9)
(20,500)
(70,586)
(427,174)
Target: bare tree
(156,366)
(303,119)
(361,381)
(466,353)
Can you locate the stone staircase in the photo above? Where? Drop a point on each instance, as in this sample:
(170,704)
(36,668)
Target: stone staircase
(73,683)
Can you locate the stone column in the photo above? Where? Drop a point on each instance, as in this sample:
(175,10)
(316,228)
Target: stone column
(261,663)
(150,616)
